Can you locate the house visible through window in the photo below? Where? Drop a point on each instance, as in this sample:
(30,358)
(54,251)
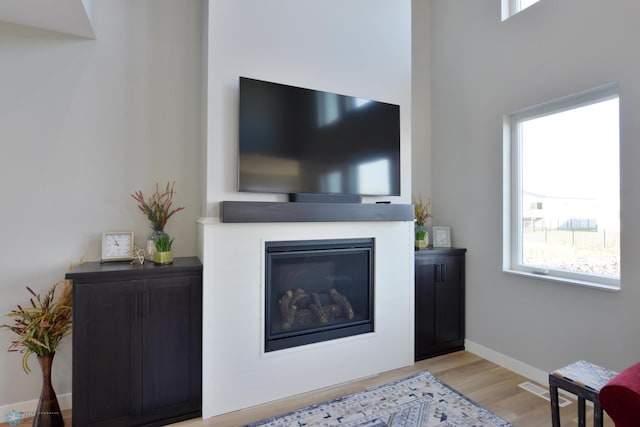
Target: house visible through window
(563,190)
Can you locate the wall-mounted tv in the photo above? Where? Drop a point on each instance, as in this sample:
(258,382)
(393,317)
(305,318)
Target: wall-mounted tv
(297,140)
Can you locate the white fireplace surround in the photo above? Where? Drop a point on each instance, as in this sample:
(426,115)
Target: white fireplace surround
(237,373)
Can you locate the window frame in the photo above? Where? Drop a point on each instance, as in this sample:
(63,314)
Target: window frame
(513,7)
(512,188)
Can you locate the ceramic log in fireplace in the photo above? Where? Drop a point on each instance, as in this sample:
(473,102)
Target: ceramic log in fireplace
(317,290)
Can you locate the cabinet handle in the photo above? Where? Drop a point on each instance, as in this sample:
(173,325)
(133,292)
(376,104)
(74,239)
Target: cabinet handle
(440,272)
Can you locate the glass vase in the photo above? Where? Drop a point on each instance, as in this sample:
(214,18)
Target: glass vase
(421,237)
(151,243)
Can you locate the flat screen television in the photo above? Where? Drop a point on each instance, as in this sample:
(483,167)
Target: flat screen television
(295,140)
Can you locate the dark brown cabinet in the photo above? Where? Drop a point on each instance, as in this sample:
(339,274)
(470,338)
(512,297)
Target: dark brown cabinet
(439,301)
(137,343)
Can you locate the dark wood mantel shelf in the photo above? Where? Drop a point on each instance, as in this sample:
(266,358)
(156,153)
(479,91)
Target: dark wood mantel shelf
(238,211)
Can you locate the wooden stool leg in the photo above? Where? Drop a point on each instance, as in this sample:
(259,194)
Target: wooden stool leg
(555,408)
(597,414)
(581,412)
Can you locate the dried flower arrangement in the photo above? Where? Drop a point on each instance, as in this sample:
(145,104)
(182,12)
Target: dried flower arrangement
(41,326)
(158,207)
(421,211)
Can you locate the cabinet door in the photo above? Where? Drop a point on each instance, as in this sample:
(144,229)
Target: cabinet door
(439,304)
(449,305)
(106,353)
(172,353)
(425,306)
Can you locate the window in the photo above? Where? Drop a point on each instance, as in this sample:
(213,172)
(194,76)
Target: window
(511,7)
(562,189)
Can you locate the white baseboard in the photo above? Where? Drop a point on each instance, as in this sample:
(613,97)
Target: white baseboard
(534,374)
(28,408)
(527,371)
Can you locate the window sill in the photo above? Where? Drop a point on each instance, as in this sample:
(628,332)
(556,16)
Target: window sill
(564,280)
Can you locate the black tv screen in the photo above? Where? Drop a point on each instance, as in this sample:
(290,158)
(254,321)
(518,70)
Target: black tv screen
(298,140)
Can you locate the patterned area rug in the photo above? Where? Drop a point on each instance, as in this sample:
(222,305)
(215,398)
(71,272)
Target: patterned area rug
(417,401)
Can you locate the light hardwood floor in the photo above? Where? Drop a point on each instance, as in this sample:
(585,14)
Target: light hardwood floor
(484,382)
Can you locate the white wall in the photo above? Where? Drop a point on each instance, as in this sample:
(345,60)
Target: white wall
(84,124)
(237,373)
(482,69)
(360,48)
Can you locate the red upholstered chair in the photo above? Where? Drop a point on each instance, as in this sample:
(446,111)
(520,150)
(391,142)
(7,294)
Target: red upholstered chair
(620,397)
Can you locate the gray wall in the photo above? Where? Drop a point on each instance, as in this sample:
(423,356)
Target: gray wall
(482,69)
(84,124)
(421,99)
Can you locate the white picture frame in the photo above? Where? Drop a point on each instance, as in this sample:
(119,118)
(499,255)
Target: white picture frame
(441,237)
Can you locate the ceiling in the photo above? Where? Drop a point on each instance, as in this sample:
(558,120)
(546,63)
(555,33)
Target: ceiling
(62,16)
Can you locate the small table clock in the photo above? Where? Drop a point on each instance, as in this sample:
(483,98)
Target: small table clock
(117,245)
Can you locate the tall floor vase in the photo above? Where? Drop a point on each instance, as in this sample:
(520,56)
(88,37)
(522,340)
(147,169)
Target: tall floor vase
(48,413)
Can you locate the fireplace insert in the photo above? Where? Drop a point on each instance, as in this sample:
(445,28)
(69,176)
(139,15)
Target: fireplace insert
(317,290)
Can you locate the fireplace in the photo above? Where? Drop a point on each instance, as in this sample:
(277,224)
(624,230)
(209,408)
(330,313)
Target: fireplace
(317,290)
